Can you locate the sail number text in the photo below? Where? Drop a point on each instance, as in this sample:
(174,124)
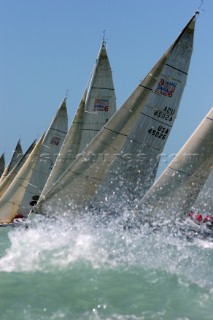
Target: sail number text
(160,132)
(166,113)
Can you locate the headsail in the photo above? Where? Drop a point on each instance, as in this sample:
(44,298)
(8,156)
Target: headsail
(2,164)
(17,154)
(51,145)
(11,175)
(81,180)
(97,105)
(176,190)
(11,199)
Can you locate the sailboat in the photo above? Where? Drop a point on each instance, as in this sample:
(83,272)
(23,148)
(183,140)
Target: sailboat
(96,107)
(2,164)
(17,154)
(11,199)
(51,145)
(11,175)
(143,114)
(177,189)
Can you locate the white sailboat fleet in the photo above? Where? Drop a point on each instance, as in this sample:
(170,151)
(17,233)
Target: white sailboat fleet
(110,156)
(140,126)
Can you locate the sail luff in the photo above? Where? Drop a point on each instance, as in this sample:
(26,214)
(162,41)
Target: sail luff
(178,187)
(11,199)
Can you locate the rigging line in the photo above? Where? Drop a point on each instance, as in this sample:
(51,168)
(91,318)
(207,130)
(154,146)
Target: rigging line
(200,6)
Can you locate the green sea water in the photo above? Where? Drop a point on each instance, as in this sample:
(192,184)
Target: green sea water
(84,270)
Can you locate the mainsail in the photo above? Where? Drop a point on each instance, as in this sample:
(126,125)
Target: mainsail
(51,145)
(11,175)
(80,182)
(2,164)
(17,154)
(100,102)
(11,199)
(97,105)
(134,170)
(176,190)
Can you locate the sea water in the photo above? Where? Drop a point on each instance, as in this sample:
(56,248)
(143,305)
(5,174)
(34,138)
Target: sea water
(82,268)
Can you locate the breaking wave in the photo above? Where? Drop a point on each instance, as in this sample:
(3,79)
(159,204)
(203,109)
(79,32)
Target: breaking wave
(51,244)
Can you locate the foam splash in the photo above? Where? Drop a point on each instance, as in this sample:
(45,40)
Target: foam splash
(57,244)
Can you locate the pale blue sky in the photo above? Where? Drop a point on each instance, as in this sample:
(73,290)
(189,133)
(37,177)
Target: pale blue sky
(49,46)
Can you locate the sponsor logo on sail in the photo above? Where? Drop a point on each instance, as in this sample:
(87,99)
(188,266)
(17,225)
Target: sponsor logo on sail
(166,88)
(101,105)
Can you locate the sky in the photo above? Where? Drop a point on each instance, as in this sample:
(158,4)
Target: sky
(48,49)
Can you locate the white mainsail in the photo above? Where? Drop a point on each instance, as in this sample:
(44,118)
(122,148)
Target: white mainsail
(79,184)
(11,175)
(51,145)
(11,199)
(2,164)
(134,169)
(100,102)
(17,154)
(97,105)
(176,190)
